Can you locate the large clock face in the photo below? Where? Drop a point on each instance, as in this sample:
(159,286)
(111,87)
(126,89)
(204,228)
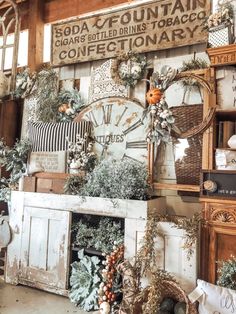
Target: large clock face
(118,127)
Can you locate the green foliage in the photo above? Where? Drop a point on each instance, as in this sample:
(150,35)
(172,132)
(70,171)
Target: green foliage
(73,99)
(15,161)
(194,64)
(85,280)
(5,190)
(124,179)
(24,83)
(74,184)
(46,93)
(227,272)
(102,237)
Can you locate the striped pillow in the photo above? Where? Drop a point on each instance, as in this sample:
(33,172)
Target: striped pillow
(51,137)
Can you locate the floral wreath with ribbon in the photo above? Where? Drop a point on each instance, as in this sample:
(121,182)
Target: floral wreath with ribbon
(161,118)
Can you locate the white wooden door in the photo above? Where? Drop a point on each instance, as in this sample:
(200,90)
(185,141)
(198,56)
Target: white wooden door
(45,246)
(172,257)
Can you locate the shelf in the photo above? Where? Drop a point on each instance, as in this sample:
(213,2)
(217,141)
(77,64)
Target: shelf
(226,114)
(224,55)
(90,251)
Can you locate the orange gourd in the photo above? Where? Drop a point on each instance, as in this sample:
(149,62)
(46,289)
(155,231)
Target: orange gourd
(63,107)
(153,96)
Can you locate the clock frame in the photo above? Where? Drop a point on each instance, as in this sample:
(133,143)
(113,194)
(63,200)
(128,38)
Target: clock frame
(119,129)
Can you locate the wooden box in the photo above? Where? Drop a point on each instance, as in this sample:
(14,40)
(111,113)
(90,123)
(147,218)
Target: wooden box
(46,182)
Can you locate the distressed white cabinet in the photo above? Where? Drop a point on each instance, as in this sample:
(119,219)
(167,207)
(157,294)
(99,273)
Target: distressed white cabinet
(39,253)
(45,248)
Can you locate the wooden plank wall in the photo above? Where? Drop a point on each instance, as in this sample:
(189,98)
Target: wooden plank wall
(173,57)
(55,10)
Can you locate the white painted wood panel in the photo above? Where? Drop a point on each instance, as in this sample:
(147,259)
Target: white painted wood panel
(172,257)
(45,247)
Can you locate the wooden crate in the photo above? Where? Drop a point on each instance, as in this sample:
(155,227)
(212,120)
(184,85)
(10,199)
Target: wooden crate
(46,182)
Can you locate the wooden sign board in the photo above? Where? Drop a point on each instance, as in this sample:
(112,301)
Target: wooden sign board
(47,161)
(154,26)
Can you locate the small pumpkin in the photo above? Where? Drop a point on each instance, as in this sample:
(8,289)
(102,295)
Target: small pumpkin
(63,107)
(153,96)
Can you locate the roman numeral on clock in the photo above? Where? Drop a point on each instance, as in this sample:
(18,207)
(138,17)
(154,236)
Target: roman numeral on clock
(137,144)
(133,127)
(132,158)
(91,117)
(121,116)
(107,114)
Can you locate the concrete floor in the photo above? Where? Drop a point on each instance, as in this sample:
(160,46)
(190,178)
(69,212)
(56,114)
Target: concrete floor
(25,300)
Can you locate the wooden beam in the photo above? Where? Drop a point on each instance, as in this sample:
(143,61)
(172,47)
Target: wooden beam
(55,10)
(36,34)
(176,187)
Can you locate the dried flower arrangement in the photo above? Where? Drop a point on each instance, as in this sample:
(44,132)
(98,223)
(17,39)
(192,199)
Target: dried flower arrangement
(128,68)
(137,299)
(110,291)
(161,118)
(227,273)
(81,155)
(189,225)
(224,15)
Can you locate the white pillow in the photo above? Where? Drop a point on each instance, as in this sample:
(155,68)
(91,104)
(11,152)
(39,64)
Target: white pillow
(215,299)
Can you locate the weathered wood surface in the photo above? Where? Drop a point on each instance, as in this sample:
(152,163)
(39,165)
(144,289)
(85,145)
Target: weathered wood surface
(45,247)
(172,257)
(142,28)
(36,35)
(224,55)
(94,205)
(39,254)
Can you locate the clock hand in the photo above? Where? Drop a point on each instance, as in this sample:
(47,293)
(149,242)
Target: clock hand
(105,146)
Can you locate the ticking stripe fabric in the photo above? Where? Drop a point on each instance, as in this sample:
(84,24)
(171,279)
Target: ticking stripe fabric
(51,137)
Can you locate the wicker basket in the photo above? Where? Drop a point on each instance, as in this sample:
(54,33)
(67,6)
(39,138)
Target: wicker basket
(169,290)
(189,167)
(172,290)
(220,35)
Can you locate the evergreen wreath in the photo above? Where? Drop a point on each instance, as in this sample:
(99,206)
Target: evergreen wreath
(128,68)
(227,272)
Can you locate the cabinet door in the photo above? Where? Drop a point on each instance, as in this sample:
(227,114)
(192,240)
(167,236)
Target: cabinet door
(222,247)
(45,246)
(172,257)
